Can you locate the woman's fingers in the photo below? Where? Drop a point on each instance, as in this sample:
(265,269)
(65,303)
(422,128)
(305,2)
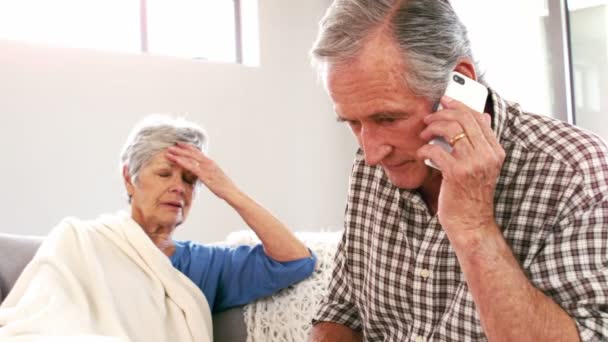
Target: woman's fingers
(189,164)
(187,150)
(193,158)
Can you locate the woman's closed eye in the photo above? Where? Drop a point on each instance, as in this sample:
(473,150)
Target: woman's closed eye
(164,174)
(189,179)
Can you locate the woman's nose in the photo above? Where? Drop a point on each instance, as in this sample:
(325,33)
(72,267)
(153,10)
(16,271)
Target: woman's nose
(178,186)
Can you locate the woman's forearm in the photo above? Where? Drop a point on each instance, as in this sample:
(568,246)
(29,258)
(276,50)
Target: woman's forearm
(278,241)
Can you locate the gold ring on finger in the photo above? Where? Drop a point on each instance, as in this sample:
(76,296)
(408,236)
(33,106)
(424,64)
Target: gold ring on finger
(457,137)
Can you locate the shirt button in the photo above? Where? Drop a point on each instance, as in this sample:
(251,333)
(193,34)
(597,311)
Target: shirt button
(425,274)
(420,339)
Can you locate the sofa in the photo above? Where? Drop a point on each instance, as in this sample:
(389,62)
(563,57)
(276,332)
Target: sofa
(16,251)
(284,316)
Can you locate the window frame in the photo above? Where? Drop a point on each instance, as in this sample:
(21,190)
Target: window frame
(238,29)
(561,49)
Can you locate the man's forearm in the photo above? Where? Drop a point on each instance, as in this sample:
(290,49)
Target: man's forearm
(333,332)
(509,306)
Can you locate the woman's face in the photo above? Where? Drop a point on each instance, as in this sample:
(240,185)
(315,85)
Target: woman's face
(162,193)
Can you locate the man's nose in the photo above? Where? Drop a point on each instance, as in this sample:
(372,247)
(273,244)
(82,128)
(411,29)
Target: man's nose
(373,145)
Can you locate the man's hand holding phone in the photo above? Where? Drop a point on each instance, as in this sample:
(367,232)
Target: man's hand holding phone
(469,171)
(467,91)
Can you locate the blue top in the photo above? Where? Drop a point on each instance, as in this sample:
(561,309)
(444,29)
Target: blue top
(235,276)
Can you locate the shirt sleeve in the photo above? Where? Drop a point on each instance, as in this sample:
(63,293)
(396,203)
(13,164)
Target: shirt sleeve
(338,305)
(572,267)
(235,276)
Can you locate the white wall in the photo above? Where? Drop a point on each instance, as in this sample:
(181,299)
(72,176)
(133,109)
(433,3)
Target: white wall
(65,113)
(589,29)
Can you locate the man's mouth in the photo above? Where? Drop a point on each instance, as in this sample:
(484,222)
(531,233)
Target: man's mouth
(396,165)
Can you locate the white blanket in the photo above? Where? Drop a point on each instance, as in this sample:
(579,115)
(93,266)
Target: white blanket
(103,280)
(287,315)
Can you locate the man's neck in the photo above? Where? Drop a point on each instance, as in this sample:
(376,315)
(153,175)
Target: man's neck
(430,190)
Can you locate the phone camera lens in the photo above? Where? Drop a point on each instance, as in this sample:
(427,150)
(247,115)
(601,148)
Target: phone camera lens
(458,79)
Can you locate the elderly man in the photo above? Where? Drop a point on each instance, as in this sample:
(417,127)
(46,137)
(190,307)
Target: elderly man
(509,242)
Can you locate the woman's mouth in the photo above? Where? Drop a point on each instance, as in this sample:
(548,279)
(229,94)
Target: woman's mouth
(173,205)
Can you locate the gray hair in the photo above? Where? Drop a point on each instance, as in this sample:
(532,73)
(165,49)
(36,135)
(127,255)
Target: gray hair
(430,35)
(154,134)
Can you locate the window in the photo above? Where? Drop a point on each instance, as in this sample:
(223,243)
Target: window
(549,55)
(205,29)
(589,40)
(512,45)
(107,24)
(176,27)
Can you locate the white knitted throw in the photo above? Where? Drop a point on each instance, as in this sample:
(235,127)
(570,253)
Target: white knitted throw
(286,316)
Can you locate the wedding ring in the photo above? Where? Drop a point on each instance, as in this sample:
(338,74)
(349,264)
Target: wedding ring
(457,137)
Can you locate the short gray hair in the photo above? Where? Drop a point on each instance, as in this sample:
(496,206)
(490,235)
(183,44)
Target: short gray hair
(430,35)
(154,134)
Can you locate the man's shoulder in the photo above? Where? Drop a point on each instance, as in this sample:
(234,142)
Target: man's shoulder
(541,136)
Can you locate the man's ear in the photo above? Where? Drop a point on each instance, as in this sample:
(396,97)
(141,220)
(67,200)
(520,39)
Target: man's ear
(128,181)
(466,67)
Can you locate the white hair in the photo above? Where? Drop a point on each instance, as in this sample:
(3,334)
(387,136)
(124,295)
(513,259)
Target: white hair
(431,38)
(154,134)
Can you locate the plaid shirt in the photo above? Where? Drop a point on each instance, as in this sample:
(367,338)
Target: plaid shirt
(397,277)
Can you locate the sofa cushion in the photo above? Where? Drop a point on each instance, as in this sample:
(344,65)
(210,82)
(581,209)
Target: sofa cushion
(15,252)
(229,325)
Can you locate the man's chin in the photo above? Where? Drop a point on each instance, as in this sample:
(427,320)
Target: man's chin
(409,179)
(406,184)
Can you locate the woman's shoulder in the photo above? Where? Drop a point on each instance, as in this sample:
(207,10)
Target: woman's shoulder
(68,227)
(196,249)
(213,247)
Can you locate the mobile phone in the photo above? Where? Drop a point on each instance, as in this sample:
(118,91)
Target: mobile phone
(468,91)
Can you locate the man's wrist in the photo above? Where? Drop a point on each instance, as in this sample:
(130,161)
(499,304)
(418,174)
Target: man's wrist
(476,240)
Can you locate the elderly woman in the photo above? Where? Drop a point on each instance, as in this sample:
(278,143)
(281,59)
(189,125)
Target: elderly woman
(116,278)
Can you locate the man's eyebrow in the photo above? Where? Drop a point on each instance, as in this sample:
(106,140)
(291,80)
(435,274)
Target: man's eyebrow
(341,119)
(388,113)
(380,114)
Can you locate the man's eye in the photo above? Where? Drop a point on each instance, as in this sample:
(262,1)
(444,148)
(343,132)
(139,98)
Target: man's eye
(385,120)
(352,124)
(164,174)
